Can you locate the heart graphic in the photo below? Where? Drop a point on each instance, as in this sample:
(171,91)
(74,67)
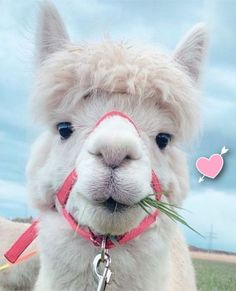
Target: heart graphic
(210,167)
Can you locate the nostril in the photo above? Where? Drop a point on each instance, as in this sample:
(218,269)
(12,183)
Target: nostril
(114,167)
(115,161)
(96,154)
(112,160)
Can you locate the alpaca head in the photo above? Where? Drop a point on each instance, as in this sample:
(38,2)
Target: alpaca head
(76,85)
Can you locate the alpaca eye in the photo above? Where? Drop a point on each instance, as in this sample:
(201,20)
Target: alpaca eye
(65,129)
(162,139)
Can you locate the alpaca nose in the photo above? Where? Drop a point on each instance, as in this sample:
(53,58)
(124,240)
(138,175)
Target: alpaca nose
(115,147)
(116,150)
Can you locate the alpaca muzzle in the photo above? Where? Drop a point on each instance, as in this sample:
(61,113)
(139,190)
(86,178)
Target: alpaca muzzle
(62,196)
(115,141)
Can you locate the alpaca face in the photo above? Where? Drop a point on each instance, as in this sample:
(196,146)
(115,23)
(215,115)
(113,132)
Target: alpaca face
(75,86)
(114,168)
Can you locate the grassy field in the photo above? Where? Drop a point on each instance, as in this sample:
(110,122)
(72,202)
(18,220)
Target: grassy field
(215,276)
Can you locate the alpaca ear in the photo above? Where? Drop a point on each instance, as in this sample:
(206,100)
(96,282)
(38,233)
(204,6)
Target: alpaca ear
(191,51)
(51,34)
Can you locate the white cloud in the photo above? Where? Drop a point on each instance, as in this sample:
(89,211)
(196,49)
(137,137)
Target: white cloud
(211,207)
(223,76)
(12,191)
(220,114)
(214,108)
(13,200)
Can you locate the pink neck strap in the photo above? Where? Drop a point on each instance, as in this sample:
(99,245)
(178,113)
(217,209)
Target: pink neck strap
(62,196)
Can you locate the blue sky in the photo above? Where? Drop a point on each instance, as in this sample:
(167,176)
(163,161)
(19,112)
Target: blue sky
(160,23)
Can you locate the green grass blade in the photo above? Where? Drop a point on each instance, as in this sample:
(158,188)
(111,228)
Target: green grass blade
(166,208)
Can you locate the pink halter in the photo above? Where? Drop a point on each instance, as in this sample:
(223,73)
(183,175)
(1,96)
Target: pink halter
(62,196)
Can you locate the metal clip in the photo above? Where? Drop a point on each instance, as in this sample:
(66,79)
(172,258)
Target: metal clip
(104,258)
(104,278)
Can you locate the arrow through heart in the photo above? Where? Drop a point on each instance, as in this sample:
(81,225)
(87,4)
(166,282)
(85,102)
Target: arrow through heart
(211,167)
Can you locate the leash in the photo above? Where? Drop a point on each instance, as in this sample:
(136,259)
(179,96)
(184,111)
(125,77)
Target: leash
(20,260)
(104,241)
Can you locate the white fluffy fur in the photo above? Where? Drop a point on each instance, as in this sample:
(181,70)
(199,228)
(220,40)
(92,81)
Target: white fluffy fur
(79,84)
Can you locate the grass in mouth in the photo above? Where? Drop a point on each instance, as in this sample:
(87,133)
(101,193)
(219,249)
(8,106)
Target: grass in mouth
(169,209)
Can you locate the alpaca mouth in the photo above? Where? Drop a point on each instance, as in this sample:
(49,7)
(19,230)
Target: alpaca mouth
(114,206)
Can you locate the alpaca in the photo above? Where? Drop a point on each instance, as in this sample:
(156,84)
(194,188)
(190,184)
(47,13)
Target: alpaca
(74,87)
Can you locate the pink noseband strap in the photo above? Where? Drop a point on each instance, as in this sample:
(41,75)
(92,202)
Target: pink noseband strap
(62,196)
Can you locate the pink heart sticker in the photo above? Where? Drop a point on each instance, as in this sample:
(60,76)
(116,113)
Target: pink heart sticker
(210,167)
